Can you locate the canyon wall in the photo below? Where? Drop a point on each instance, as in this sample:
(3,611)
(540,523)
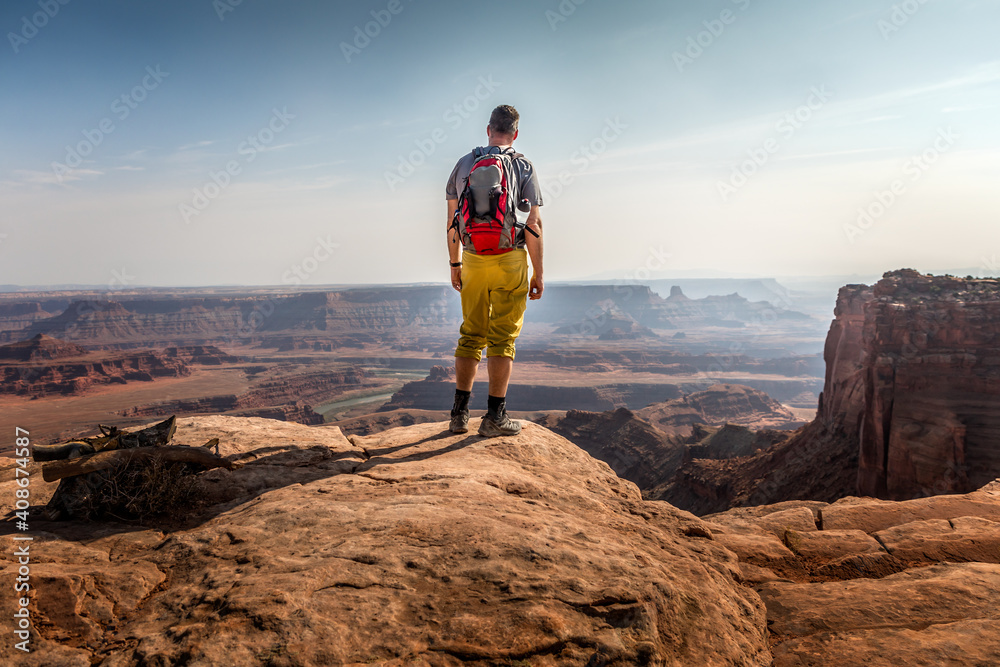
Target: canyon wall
(931,369)
(19,315)
(40,348)
(154,321)
(159,319)
(44,366)
(74,377)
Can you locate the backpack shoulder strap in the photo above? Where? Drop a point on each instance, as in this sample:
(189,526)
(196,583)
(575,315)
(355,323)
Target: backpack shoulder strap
(480,151)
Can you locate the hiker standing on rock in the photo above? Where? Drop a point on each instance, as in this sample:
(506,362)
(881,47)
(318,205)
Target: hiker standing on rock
(484,192)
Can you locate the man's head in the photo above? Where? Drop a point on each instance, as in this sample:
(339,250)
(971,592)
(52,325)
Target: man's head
(502,129)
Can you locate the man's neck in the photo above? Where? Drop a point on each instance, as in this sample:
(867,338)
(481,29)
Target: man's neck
(500,140)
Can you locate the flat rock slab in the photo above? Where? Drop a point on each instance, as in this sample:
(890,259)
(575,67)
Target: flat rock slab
(799,519)
(751,543)
(867,565)
(880,583)
(761,511)
(961,539)
(960,644)
(872,516)
(912,599)
(830,545)
(410,547)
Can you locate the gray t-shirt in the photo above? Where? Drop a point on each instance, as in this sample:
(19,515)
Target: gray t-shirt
(527,178)
(527,182)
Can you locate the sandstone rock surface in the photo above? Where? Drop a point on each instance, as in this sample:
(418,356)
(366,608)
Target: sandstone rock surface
(409,547)
(414,546)
(875,583)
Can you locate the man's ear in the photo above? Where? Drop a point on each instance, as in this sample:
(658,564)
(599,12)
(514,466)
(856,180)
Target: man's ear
(514,137)
(489,135)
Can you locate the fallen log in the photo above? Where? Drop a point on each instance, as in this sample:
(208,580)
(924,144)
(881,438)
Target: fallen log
(111,437)
(68,450)
(103,460)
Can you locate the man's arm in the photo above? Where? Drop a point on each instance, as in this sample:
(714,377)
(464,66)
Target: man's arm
(454,247)
(534,245)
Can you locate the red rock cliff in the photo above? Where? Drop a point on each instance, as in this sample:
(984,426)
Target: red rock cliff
(931,371)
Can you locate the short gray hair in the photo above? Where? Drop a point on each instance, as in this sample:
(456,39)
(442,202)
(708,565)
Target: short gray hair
(504,119)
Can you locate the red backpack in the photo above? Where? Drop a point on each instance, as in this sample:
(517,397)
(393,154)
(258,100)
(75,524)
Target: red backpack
(486,215)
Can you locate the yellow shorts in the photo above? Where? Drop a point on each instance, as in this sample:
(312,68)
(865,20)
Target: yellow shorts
(494,296)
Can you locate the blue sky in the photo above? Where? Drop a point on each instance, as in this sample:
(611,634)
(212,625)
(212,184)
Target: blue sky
(201,142)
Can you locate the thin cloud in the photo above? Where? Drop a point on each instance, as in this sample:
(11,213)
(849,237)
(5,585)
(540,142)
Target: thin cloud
(32,177)
(134,155)
(971,107)
(386,123)
(197,144)
(982,75)
(826,154)
(853,17)
(305,167)
(836,110)
(322,183)
(876,119)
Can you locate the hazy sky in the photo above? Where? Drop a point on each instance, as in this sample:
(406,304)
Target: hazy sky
(200,142)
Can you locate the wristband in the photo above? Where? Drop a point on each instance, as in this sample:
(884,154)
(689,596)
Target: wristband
(455,265)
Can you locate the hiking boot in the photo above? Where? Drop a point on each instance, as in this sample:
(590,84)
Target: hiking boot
(494,425)
(459,421)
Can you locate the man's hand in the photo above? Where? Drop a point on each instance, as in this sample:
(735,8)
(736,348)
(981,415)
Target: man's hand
(536,287)
(456,278)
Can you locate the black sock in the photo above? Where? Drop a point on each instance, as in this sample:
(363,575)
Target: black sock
(496,405)
(461,401)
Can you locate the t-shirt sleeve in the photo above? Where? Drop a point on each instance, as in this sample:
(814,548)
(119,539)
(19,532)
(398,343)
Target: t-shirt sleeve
(451,190)
(530,188)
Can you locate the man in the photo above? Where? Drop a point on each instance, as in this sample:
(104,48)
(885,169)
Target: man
(493,282)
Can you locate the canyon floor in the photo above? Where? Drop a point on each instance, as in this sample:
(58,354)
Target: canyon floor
(328,385)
